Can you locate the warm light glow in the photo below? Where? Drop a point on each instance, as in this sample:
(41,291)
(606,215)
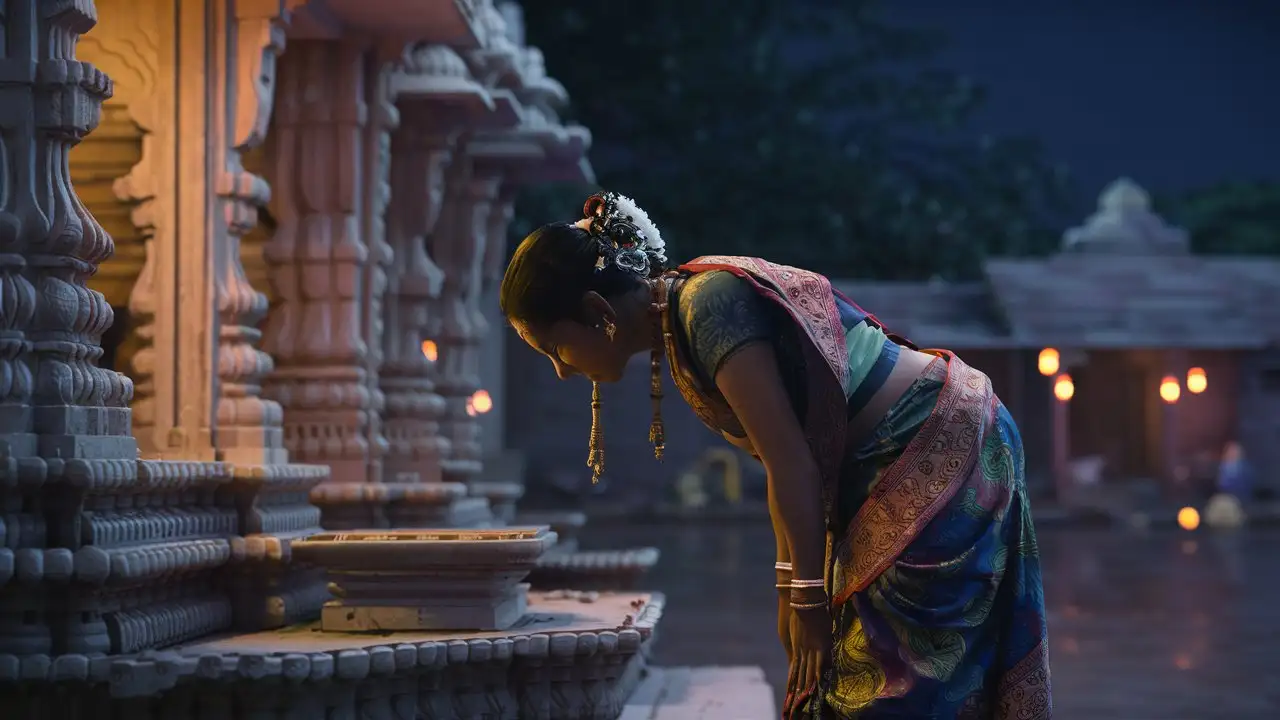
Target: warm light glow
(1063,388)
(429,350)
(1188,518)
(481,401)
(1170,390)
(1197,381)
(1049,362)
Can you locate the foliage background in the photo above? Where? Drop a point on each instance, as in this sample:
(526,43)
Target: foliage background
(817,134)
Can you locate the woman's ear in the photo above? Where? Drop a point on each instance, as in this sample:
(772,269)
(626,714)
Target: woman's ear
(596,310)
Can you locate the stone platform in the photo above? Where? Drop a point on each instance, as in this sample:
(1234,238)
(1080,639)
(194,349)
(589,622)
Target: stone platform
(575,655)
(702,693)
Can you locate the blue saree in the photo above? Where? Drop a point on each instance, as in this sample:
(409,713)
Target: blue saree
(933,571)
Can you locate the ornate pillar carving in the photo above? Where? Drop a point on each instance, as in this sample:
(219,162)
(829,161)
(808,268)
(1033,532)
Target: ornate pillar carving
(329,259)
(64,423)
(319,256)
(463,325)
(438,101)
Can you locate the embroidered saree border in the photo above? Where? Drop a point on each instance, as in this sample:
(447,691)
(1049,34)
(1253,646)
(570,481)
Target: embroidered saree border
(919,484)
(1023,693)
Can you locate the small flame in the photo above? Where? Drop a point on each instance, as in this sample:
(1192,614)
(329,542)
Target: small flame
(429,350)
(1170,390)
(481,402)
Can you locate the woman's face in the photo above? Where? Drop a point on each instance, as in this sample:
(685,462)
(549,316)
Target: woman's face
(576,349)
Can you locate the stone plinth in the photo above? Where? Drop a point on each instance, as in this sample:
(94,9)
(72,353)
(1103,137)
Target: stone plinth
(594,569)
(501,496)
(566,524)
(438,505)
(269,590)
(574,656)
(423,580)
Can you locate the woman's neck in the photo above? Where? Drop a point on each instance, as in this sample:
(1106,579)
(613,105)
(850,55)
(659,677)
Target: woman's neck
(637,321)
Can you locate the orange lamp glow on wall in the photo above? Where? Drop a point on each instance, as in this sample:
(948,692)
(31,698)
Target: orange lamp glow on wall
(1049,362)
(1197,381)
(429,350)
(1063,388)
(1170,390)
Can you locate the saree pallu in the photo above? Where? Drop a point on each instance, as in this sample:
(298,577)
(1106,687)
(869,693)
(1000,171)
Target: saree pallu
(938,607)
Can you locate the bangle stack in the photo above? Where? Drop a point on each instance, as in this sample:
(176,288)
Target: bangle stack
(794,585)
(782,566)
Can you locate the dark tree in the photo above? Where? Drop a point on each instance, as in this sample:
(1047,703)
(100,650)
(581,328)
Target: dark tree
(808,132)
(1230,218)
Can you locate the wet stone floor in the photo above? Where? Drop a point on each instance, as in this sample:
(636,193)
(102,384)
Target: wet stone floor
(1144,625)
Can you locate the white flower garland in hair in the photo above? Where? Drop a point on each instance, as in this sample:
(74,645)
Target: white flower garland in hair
(653,243)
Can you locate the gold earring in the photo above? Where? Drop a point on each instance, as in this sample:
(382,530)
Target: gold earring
(595,448)
(610,329)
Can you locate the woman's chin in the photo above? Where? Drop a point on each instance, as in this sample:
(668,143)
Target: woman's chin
(605,377)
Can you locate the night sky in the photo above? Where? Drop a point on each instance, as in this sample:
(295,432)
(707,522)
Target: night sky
(1174,93)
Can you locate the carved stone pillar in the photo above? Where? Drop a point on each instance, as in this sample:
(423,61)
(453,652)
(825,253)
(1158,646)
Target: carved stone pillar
(421,155)
(328,260)
(58,413)
(461,254)
(439,100)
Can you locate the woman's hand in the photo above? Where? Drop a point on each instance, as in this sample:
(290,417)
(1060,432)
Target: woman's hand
(784,624)
(810,631)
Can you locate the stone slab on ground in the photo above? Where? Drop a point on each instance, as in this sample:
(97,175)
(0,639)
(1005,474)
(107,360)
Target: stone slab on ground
(702,693)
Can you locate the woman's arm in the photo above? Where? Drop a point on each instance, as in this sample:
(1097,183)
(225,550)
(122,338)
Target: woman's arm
(750,382)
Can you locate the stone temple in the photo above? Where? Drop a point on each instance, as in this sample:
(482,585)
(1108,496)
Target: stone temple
(243,246)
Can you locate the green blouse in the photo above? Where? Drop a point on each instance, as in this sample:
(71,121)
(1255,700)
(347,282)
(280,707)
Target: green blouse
(718,314)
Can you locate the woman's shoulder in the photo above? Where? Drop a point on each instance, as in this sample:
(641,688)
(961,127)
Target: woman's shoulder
(714,292)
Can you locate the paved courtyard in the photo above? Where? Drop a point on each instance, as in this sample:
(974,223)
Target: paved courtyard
(1161,625)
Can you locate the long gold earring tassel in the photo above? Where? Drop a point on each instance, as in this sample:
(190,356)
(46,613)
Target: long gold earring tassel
(595,452)
(657,433)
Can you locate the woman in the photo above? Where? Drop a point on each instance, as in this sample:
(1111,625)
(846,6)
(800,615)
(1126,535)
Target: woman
(909,581)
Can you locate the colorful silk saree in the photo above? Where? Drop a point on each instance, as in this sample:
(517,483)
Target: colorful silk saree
(933,569)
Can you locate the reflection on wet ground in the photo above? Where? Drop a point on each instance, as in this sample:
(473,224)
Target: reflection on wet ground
(1144,626)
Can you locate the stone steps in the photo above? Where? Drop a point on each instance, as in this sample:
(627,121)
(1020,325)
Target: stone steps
(702,693)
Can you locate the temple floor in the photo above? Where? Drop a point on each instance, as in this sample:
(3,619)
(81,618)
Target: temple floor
(1161,625)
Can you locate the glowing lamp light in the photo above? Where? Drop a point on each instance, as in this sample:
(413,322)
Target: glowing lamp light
(1170,390)
(481,401)
(1063,388)
(1049,362)
(429,350)
(1188,518)
(1197,381)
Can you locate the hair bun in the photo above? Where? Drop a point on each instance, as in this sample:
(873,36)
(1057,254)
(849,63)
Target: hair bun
(627,237)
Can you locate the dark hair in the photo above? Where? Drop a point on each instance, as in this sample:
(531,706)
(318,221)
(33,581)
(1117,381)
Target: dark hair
(553,268)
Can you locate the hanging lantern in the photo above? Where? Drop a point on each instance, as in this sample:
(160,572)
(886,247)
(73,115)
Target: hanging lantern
(1049,362)
(1170,390)
(1063,388)
(429,350)
(1197,381)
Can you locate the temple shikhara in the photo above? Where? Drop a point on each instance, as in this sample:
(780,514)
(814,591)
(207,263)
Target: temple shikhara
(244,246)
